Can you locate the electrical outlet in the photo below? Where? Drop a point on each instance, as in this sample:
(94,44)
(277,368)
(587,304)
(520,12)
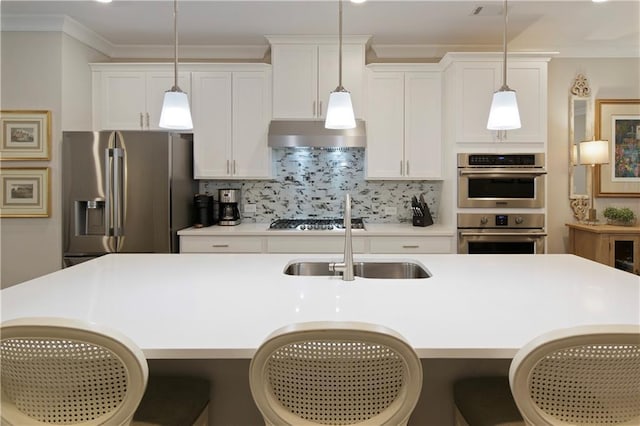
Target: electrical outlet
(390,211)
(249,208)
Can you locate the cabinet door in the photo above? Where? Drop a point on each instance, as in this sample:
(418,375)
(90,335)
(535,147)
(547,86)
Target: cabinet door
(251,117)
(422,123)
(295,80)
(123,100)
(624,253)
(352,75)
(215,244)
(433,244)
(385,125)
(211,113)
(476,83)
(157,84)
(529,80)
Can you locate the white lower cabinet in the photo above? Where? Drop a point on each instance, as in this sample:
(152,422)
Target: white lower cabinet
(314,244)
(319,244)
(209,244)
(435,244)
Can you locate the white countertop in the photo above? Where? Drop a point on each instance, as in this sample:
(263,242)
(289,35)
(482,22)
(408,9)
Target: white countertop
(224,305)
(371,229)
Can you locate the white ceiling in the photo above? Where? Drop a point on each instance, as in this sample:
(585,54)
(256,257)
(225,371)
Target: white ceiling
(417,28)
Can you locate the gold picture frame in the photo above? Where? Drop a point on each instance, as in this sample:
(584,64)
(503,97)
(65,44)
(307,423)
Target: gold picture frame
(25,135)
(618,121)
(25,192)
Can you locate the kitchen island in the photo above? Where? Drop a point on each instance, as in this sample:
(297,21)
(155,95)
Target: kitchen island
(210,309)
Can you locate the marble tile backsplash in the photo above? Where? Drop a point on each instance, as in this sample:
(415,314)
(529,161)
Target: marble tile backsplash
(312,183)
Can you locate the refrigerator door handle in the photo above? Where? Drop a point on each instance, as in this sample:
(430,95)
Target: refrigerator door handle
(118,191)
(108,217)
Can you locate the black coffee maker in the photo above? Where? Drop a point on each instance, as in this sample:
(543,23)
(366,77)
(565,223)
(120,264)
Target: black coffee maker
(204,213)
(229,211)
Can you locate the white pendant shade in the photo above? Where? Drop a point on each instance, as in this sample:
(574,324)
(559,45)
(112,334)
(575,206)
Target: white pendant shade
(504,114)
(340,111)
(594,152)
(176,114)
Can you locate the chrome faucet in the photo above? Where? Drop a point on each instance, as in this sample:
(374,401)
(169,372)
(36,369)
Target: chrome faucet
(346,266)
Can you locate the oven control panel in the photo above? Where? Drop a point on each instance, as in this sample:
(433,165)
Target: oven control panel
(501,160)
(507,221)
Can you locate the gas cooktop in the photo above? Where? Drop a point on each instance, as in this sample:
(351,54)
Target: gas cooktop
(315,224)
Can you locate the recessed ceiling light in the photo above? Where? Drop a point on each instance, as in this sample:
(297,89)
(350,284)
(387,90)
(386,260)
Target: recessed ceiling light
(103,1)
(358,1)
(599,1)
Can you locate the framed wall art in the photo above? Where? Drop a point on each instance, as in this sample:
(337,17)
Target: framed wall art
(25,192)
(26,135)
(618,122)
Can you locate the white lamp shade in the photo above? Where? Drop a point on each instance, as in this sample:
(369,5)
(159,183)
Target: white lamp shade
(594,152)
(176,114)
(340,111)
(504,114)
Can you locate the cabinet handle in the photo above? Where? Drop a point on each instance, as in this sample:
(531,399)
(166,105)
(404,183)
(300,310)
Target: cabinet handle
(408,247)
(408,168)
(148,127)
(401,168)
(228,171)
(220,245)
(314,108)
(234,167)
(141,124)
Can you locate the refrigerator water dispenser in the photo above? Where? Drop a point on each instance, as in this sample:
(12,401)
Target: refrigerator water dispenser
(90,217)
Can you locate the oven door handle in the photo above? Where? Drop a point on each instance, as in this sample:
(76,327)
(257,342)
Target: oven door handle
(503,234)
(502,172)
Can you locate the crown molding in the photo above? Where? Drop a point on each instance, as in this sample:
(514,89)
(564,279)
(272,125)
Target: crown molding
(388,51)
(69,26)
(251,52)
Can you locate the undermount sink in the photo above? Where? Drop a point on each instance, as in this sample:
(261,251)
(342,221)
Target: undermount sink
(368,269)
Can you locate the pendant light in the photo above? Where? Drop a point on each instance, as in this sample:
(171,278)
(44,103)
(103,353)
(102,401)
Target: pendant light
(176,114)
(504,114)
(340,110)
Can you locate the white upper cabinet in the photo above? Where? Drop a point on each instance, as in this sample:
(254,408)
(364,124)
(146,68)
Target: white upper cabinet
(404,117)
(130,96)
(231,114)
(471,81)
(305,72)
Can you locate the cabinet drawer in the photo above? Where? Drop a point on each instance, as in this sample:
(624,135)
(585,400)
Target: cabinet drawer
(190,244)
(315,244)
(410,244)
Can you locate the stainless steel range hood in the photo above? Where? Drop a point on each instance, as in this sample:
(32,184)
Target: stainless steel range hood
(312,133)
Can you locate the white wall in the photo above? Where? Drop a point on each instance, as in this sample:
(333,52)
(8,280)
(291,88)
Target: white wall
(48,71)
(608,79)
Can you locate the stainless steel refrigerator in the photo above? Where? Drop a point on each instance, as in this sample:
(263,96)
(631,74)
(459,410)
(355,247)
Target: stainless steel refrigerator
(125,192)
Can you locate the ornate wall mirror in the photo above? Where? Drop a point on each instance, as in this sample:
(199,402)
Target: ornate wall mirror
(580,129)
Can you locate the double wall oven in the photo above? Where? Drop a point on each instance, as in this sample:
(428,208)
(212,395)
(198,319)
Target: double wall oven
(489,186)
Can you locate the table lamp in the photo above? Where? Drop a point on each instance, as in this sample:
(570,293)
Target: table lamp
(594,152)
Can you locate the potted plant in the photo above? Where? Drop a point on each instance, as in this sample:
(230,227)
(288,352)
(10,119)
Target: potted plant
(619,216)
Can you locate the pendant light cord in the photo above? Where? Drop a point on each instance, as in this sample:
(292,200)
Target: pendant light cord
(340,44)
(175,47)
(504,46)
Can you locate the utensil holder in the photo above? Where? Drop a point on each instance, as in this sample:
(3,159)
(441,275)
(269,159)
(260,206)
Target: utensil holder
(422,220)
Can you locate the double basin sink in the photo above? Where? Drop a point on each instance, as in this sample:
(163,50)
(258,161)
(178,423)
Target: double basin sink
(368,269)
